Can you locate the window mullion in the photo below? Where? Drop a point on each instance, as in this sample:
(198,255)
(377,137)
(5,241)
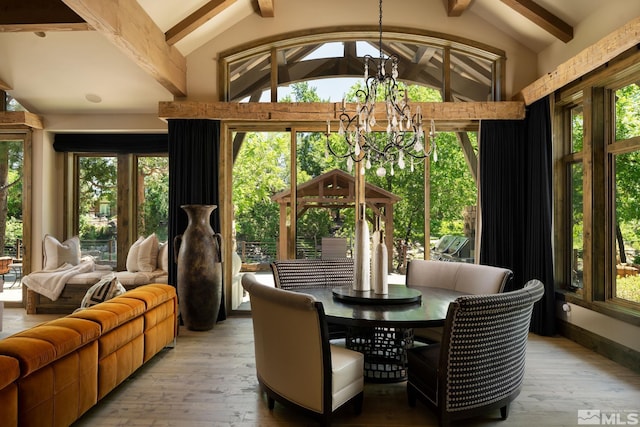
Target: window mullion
(596,209)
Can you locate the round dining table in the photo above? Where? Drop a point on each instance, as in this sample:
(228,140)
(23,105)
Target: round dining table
(381,326)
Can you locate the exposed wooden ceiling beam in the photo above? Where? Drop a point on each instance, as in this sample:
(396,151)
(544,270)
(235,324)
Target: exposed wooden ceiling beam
(457,7)
(43,28)
(196,19)
(542,17)
(38,16)
(589,59)
(20,120)
(4,86)
(321,111)
(266,8)
(127,26)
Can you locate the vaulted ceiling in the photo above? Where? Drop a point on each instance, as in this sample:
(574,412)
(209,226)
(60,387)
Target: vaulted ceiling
(125,56)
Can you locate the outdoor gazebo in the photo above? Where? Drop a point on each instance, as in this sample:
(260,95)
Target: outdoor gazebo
(336,190)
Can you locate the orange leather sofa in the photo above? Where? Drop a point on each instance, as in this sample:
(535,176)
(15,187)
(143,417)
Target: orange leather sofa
(67,365)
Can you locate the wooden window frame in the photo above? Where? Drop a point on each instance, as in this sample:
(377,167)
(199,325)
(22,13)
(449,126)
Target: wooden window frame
(595,92)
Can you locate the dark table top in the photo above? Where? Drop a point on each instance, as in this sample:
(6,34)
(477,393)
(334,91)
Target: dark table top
(431,310)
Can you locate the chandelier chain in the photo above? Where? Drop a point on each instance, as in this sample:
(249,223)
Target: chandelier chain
(380,29)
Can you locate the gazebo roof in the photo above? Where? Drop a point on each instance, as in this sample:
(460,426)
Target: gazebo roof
(335,188)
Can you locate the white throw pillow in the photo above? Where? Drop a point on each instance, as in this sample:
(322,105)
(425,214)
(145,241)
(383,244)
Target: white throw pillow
(163,257)
(132,256)
(56,253)
(143,255)
(107,288)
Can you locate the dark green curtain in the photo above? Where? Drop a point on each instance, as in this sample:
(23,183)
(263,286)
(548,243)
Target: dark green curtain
(194,153)
(515,198)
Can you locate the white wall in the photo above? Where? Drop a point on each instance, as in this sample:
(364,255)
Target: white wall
(47,194)
(616,330)
(612,15)
(424,15)
(108,123)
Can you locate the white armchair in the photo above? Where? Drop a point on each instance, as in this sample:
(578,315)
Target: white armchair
(295,363)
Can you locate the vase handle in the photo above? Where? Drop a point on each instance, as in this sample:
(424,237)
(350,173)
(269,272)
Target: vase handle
(177,241)
(218,238)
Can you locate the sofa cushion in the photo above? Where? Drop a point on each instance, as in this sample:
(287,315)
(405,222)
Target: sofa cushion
(113,313)
(143,254)
(108,287)
(39,346)
(163,256)
(153,294)
(9,370)
(56,253)
(138,278)
(9,373)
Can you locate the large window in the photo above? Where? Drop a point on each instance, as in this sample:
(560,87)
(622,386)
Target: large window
(598,247)
(114,191)
(576,194)
(97,213)
(292,166)
(626,193)
(152,196)
(463,69)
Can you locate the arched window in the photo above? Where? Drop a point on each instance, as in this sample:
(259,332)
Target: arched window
(462,70)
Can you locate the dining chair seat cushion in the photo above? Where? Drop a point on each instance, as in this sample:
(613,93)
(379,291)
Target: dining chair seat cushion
(346,371)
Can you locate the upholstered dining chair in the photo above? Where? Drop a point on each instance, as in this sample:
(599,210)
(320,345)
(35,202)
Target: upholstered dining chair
(293,274)
(300,274)
(472,279)
(295,363)
(480,363)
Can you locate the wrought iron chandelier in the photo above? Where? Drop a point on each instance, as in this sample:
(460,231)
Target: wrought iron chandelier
(404,136)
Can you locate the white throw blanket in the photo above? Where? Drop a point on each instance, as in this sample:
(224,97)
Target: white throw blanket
(50,283)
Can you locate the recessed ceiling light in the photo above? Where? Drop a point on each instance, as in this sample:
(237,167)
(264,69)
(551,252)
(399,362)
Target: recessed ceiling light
(92,97)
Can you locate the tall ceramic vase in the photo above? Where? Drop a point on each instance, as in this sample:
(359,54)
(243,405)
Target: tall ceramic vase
(199,261)
(362,266)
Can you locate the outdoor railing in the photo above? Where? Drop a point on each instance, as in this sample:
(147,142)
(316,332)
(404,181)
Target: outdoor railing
(102,251)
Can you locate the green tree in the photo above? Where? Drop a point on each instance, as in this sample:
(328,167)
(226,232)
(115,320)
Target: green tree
(98,185)
(153,196)
(260,171)
(257,217)
(627,170)
(11,161)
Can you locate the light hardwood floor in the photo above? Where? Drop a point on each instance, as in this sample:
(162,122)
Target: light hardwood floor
(209,379)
